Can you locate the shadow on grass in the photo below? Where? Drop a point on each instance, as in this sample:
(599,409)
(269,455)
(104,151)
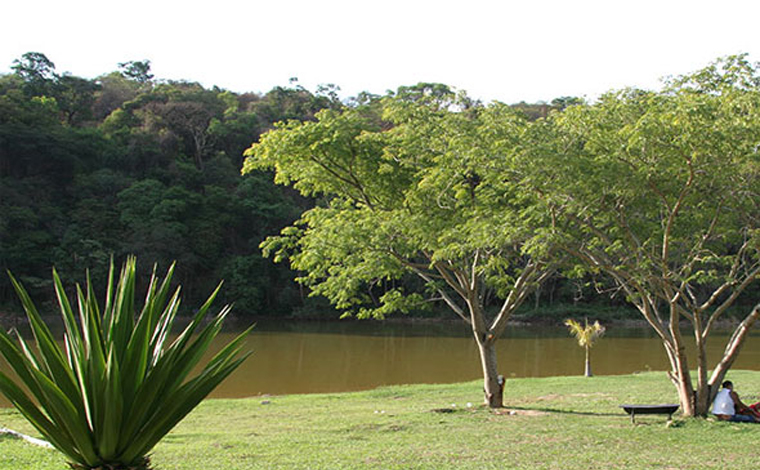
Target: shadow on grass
(567,412)
(648,420)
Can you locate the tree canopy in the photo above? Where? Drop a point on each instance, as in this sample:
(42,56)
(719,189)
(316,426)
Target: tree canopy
(659,191)
(126,163)
(419,184)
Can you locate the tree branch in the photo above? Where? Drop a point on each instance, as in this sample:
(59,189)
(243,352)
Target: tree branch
(428,277)
(734,345)
(730,300)
(672,217)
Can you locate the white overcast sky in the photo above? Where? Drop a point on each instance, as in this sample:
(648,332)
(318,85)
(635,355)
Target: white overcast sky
(527,50)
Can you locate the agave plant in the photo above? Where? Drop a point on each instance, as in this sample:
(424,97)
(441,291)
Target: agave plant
(586,336)
(121,382)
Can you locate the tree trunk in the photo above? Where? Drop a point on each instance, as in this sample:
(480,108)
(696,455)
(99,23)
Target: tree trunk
(493,383)
(685,393)
(681,378)
(588,362)
(697,402)
(733,347)
(702,397)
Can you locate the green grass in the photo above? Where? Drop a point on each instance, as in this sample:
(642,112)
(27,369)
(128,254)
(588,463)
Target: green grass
(559,423)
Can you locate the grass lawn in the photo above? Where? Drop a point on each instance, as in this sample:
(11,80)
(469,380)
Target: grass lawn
(550,423)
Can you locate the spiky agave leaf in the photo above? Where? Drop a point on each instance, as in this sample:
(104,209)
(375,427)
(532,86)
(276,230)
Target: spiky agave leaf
(117,386)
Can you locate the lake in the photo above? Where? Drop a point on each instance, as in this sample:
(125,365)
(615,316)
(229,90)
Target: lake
(338,356)
(313,357)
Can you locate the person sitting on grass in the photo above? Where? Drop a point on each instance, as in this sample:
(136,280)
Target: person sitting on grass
(728,407)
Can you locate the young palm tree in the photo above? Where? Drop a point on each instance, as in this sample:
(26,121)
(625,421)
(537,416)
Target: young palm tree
(586,336)
(120,383)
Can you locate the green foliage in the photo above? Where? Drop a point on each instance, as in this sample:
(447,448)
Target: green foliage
(661,182)
(414,186)
(92,148)
(658,190)
(555,313)
(37,72)
(120,383)
(137,70)
(121,165)
(75,97)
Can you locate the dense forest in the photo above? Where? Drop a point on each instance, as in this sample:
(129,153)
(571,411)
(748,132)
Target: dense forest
(95,169)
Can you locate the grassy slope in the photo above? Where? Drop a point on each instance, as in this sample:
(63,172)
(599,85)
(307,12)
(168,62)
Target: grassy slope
(560,423)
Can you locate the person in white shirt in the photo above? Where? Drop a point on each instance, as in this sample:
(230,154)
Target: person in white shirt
(728,407)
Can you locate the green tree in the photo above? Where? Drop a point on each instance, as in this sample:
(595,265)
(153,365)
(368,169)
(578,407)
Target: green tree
(181,112)
(113,92)
(18,109)
(566,101)
(137,70)
(75,97)
(658,190)
(156,220)
(37,72)
(413,191)
(281,104)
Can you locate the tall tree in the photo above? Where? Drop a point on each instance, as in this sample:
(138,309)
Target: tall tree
(411,188)
(659,190)
(137,70)
(37,72)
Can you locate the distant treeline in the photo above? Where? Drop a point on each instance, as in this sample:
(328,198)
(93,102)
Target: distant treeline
(92,169)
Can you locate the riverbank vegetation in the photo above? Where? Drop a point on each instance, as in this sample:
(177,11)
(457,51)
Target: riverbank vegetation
(550,423)
(127,163)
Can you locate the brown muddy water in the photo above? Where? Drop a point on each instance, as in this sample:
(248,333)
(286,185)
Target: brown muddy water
(346,356)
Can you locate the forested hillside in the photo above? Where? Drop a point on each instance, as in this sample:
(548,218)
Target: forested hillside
(130,164)
(127,164)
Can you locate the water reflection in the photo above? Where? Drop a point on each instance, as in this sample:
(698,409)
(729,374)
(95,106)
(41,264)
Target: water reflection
(344,356)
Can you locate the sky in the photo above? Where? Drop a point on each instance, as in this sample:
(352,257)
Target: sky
(509,51)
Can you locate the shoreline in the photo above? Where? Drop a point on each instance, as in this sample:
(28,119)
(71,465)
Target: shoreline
(8,321)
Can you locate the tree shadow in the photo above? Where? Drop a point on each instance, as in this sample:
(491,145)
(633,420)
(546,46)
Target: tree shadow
(566,412)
